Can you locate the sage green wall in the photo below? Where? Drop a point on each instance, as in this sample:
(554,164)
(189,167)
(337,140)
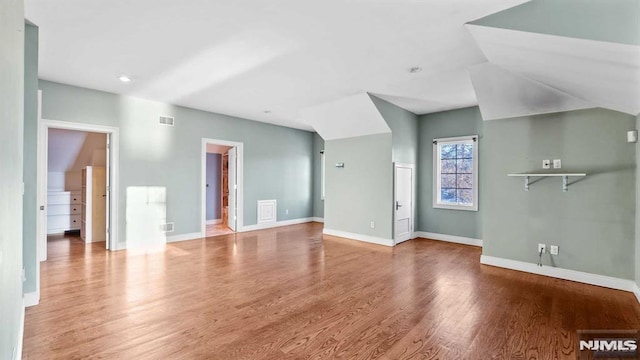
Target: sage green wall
(404,129)
(360,192)
(30,254)
(602,20)
(461,122)
(594,222)
(277,160)
(12,38)
(637,207)
(318,202)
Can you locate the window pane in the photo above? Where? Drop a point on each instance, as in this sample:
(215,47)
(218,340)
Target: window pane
(455,170)
(448,166)
(448,196)
(465,197)
(448,181)
(465,181)
(465,166)
(465,151)
(448,152)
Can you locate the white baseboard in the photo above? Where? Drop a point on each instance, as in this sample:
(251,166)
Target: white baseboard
(31,299)
(317,219)
(274,224)
(566,274)
(214,221)
(184,237)
(359,237)
(448,238)
(20,333)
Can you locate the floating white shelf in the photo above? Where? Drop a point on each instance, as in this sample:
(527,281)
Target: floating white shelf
(565,177)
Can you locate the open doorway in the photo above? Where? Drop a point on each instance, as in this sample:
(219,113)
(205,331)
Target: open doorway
(222,187)
(76,167)
(76,187)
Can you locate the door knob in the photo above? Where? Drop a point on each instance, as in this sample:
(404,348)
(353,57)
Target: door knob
(398,206)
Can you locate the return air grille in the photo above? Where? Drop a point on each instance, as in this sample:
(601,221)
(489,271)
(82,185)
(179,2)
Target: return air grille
(166,120)
(168,227)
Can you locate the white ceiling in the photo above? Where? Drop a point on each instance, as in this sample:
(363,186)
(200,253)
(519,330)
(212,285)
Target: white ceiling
(350,116)
(604,74)
(504,94)
(243,57)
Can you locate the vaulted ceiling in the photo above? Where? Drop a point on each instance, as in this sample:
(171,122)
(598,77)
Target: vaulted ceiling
(294,63)
(245,57)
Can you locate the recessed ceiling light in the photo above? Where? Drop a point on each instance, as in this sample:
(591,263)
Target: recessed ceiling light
(124,78)
(415,69)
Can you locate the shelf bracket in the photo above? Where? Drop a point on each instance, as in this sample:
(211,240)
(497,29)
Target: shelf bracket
(526,183)
(565,183)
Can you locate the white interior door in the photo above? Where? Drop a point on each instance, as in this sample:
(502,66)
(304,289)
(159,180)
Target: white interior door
(233,187)
(108,193)
(403,205)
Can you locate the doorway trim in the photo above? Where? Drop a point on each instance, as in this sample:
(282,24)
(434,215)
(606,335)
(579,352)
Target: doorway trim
(396,165)
(42,164)
(203,183)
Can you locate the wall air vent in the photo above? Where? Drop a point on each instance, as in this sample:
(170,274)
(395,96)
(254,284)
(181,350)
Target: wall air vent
(166,120)
(168,227)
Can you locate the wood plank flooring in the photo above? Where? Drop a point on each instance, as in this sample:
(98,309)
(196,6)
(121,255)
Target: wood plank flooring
(289,293)
(218,229)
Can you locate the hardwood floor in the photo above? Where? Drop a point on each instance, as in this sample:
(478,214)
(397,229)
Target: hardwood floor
(287,293)
(217,230)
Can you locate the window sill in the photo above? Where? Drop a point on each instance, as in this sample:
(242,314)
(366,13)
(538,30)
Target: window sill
(455,207)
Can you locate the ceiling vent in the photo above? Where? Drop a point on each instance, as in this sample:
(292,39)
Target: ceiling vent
(166,120)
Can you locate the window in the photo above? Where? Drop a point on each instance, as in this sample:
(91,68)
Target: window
(455,169)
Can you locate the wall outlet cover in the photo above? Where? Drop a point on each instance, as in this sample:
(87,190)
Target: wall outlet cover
(553,250)
(557,164)
(542,247)
(546,164)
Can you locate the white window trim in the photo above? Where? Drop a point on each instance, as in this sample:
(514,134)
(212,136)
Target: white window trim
(437,178)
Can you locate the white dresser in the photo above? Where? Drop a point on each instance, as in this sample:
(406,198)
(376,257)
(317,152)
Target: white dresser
(63,211)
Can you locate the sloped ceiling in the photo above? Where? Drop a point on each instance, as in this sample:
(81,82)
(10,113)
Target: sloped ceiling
(281,61)
(246,57)
(351,116)
(586,51)
(71,150)
(503,94)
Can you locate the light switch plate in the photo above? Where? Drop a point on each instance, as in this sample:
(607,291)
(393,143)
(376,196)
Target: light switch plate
(557,164)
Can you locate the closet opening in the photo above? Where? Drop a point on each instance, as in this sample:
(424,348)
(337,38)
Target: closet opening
(76,169)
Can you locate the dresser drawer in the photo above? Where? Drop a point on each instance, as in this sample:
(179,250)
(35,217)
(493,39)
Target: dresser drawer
(75,222)
(63,197)
(76,197)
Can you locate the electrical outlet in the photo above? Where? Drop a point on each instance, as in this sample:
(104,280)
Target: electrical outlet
(557,164)
(373,224)
(542,247)
(546,164)
(553,249)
